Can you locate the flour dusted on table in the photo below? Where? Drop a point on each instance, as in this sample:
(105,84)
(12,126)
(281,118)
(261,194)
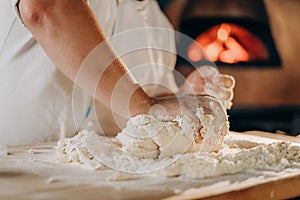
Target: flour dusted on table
(274,156)
(165,146)
(74,150)
(92,151)
(231,159)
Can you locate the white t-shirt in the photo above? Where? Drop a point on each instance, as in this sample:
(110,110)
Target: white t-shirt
(36,98)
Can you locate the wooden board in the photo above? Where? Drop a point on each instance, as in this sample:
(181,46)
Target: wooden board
(282,188)
(31,172)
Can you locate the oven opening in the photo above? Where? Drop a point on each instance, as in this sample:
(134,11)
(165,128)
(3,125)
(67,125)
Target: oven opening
(228,43)
(233,36)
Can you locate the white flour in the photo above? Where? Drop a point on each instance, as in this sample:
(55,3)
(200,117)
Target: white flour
(274,156)
(147,136)
(166,147)
(84,150)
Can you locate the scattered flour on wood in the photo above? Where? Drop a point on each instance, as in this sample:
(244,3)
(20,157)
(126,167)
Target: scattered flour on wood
(165,147)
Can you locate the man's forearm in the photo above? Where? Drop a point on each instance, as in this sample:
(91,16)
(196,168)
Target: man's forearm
(68,32)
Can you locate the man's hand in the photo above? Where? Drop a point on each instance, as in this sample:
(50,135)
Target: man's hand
(207,80)
(209,130)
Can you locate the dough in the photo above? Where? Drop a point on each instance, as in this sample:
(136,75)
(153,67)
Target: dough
(75,151)
(147,136)
(166,146)
(92,151)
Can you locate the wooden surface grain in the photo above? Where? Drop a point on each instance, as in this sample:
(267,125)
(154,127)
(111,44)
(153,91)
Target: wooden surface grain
(32,172)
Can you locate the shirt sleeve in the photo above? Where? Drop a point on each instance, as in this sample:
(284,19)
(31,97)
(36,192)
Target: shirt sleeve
(17,12)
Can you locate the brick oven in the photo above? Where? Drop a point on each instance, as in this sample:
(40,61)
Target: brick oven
(231,32)
(239,37)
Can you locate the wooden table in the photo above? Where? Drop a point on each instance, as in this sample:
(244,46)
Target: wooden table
(32,172)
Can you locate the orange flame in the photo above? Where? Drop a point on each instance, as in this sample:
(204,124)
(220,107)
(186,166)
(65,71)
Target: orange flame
(227,43)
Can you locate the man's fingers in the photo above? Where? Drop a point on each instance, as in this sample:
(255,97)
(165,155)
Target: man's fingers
(228,81)
(229,95)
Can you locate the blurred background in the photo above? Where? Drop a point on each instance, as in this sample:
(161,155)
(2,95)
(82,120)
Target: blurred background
(256,41)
